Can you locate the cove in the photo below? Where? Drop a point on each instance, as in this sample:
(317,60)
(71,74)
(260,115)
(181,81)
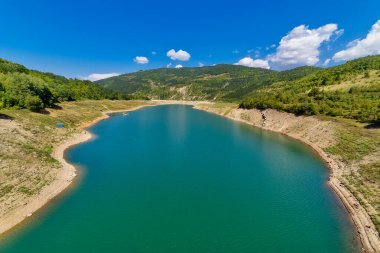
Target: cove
(175,179)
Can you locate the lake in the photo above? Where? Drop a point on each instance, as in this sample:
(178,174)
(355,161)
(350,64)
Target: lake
(175,179)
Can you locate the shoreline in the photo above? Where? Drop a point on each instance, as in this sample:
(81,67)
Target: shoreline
(67,172)
(365,229)
(66,175)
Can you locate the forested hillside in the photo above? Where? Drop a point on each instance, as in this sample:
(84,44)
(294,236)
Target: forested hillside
(351,90)
(220,82)
(34,90)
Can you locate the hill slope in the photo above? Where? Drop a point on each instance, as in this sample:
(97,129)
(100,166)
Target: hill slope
(24,88)
(221,82)
(351,90)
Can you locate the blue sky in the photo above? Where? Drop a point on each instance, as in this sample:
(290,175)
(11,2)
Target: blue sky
(79,38)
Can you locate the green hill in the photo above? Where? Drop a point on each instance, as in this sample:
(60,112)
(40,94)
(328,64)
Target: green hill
(221,82)
(24,88)
(351,90)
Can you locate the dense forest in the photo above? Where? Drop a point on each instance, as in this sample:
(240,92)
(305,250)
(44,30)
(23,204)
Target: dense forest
(34,90)
(351,90)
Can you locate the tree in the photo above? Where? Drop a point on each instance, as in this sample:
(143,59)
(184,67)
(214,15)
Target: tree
(34,103)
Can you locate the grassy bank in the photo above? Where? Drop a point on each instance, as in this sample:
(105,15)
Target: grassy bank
(358,149)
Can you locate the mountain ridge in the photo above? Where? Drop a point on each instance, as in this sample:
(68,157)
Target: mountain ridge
(220,82)
(350,90)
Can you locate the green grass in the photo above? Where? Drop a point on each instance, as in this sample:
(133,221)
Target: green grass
(25,190)
(354,143)
(358,148)
(364,184)
(371,172)
(5,189)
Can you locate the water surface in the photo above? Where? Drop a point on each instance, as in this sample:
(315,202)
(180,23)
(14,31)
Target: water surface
(174,179)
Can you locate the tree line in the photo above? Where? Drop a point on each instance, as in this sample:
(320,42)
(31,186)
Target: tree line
(33,90)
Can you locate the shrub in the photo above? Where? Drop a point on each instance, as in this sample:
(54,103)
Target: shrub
(34,103)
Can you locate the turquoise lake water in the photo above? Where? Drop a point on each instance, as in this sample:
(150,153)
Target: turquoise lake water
(174,179)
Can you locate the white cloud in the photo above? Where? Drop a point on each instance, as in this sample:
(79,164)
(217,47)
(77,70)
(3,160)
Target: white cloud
(96,77)
(352,43)
(169,65)
(326,62)
(249,62)
(180,55)
(370,45)
(154,52)
(201,65)
(338,33)
(141,60)
(179,66)
(301,46)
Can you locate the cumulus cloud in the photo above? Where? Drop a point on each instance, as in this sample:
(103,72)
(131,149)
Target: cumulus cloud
(169,65)
(370,45)
(301,46)
(180,55)
(95,77)
(141,60)
(249,62)
(200,64)
(179,66)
